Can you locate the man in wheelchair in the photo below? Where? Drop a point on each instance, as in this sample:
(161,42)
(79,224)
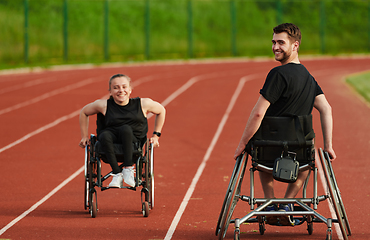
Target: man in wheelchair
(125,122)
(289,90)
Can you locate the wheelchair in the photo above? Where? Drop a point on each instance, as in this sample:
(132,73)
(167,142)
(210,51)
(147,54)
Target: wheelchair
(263,149)
(94,156)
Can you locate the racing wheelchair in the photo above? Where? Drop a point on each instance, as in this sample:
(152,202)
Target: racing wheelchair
(94,156)
(264,148)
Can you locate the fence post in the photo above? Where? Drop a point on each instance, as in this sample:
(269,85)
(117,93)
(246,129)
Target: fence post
(106,30)
(65,30)
(233,27)
(190,29)
(322,26)
(147,29)
(279,14)
(25,31)
(368,25)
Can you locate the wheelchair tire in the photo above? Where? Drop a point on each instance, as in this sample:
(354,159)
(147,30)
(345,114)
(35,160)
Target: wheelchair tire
(94,204)
(262,227)
(310,228)
(231,197)
(237,234)
(335,197)
(145,209)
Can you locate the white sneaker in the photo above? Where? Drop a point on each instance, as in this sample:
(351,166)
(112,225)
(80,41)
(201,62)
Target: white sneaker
(116,181)
(128,176)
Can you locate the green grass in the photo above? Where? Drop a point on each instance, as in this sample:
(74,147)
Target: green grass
(361,83)
(324,29)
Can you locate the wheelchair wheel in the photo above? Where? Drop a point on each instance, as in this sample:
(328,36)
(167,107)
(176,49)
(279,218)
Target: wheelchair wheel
(92,173)
(309,228)
(231,197)
(262,227)
(237,234)
(87,183)
(147,192)
(335,197)
(151,176)
(94,204)
(145,209)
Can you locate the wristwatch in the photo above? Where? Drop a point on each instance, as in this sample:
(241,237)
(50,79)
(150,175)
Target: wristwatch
(157,133)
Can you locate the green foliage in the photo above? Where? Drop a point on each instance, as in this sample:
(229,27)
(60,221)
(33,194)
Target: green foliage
(328,26)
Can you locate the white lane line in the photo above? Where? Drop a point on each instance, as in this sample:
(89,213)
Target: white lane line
(50,94)
(325,187)
(27,84)
(31,134)
(65,182)
(201,167)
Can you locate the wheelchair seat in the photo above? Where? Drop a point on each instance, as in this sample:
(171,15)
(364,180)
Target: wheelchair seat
(283,134)
(137,146)
(137,151)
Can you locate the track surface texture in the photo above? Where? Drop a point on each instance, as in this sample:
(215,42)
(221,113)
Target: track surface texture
(41,164)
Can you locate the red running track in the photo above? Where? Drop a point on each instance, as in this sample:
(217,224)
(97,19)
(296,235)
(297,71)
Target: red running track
(41,163)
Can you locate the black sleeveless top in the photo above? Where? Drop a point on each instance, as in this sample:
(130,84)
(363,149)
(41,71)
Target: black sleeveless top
(130,114)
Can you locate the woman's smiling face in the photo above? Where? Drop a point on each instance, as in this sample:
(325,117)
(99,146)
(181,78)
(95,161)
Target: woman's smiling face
(120,89)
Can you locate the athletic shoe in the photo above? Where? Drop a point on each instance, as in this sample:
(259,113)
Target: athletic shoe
(286,220)
(128,176)
(116,181)
(272,220)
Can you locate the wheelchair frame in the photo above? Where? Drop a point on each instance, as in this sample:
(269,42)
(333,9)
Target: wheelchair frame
(303,208)
(94,178)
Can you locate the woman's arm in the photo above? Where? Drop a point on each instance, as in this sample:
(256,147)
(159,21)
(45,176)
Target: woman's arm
(150,106)
(98,106)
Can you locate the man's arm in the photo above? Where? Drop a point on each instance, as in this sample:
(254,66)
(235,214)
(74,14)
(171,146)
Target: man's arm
(326,117)
(253,123)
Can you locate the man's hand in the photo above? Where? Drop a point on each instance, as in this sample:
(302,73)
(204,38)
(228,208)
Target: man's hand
(239,151)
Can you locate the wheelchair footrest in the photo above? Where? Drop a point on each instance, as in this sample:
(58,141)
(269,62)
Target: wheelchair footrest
(124,187)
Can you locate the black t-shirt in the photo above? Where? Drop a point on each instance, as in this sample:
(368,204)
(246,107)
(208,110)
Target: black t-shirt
(291,90)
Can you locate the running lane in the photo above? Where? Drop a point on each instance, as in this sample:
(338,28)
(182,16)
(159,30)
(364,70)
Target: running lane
(35,166)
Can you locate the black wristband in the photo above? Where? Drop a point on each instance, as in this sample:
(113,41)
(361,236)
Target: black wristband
(157,133)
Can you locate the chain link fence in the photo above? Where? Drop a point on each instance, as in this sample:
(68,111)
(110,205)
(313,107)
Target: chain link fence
(69,31)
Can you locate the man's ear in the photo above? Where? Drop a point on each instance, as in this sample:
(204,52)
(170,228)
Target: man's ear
(296,46)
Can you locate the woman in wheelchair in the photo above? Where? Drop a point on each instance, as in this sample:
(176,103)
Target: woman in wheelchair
(125,123)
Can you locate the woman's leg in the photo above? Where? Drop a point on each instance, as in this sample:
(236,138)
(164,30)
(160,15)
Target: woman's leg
(126,137)
(107,138)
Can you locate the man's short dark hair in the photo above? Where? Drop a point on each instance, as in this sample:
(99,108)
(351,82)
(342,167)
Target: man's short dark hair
(292,30)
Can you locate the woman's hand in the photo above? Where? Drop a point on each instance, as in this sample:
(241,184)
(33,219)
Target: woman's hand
(84,142)
(154,140)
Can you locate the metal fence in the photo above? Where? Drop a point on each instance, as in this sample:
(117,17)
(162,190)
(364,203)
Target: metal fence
(45,31)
